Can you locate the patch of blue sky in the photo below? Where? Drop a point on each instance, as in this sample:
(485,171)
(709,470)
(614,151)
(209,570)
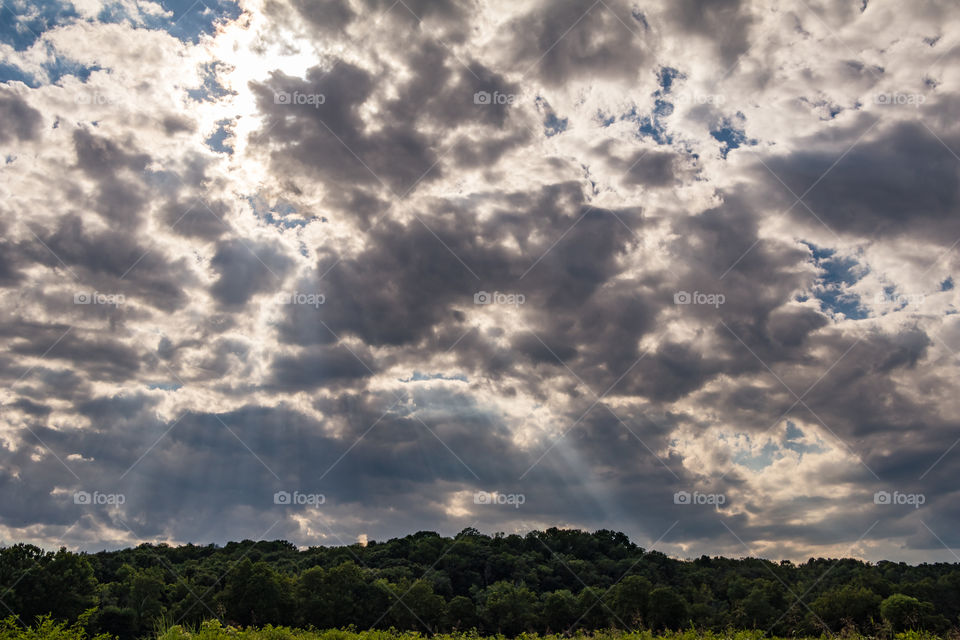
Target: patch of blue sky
(187,20)
(217,140)
(13,73)
(794,439)
(604,119)
(731,134)
(211,89)
(832,287)
(421,377)
(757,460)
(282,214)
(552,125)
(23,22)
(666,76)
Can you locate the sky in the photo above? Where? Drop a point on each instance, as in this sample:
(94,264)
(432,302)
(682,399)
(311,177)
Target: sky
(342,270)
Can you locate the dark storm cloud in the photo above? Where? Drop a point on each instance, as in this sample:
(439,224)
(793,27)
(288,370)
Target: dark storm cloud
(901,181)
(570,40)
(790,328)
(322,366)
(112,261)
(391,467)
(197,219)
(725,22)
(120,200)
(100,356)
(329,139)
(334,141)
(325,15)
(651,168)
(18,120)
(246,268)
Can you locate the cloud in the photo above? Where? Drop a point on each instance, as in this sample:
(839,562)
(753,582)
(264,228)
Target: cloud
(594,254)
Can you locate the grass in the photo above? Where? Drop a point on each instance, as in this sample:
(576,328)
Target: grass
(47,629)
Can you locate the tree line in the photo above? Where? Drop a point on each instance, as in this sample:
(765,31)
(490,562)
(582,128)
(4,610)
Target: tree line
(545,581)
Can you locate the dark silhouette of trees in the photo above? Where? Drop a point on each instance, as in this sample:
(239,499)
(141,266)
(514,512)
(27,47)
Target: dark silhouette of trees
(554,580)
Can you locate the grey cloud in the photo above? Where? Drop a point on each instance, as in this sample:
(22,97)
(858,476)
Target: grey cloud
(571,40)
(246,268)
(20,121)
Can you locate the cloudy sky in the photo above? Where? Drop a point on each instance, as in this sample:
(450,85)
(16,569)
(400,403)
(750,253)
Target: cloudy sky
(684,269)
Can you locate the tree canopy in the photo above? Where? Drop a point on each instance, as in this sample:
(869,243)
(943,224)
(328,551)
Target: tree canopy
(554,580)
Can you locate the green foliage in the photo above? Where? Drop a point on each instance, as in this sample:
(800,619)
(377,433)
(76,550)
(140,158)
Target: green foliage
(46,628)
(554,581)
(847,605)
(508,608)
(667,609)
(903,612)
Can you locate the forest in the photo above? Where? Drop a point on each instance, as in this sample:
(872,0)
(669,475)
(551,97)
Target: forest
(552,581)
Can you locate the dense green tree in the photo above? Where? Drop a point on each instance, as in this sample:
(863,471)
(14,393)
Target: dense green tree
(542,580)
(846,605)
(34,582)
(592,611)
(461,614)
(667,610)
(413,606)
(508,608)
(117,621)
(757,610)
(559,610)
(628,599)
(255,594)
(902,612)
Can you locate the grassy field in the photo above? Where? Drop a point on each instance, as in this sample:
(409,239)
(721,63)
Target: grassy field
(46,629)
